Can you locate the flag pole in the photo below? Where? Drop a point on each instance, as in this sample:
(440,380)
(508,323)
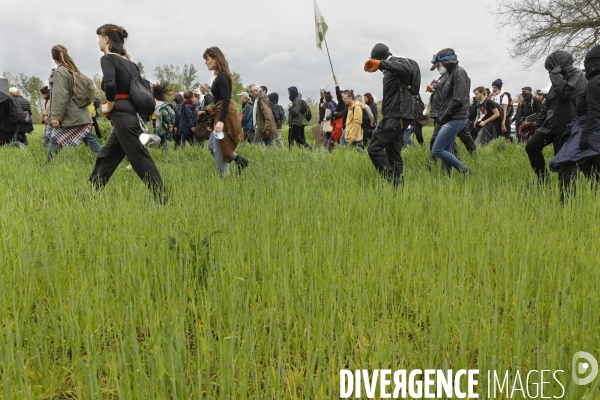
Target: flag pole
(325,40)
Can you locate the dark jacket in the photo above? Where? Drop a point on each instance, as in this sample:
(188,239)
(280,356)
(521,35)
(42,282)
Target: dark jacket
(26,127)
(246,118)
(452,95)
(276,108)
(188,117)
(7,130)
(567,83)
(322,109)
(587,122)
(264,117)
(397,100)
(341,109)
(530,110)
(374,111)
(518,115)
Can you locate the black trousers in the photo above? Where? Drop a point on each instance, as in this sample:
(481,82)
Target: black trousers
(384,151)
(508,130)
(534,149)
(419,134)
(467,139)
(96,127)
(124,141)
(297,135)
(569,176)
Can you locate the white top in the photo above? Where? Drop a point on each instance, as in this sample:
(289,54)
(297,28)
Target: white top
(496,98)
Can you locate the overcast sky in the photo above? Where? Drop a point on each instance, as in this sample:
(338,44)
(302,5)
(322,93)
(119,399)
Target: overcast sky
(268,42)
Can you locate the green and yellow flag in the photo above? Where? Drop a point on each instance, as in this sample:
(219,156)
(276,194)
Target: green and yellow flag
(320,26)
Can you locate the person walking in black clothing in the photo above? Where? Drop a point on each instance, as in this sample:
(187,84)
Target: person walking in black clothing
(558,110)
(124,138)
(386,143)
(297,109)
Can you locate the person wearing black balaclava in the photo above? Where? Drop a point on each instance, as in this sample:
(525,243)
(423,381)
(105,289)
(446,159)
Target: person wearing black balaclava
(453,91)
(558,110)
(581,151)
(296,119)
(386,143)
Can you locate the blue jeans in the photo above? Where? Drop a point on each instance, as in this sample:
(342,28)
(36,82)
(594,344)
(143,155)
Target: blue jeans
(268,141)
(343,138)
(327,139)
(47,136)
(443,144)
(407,139)
(89,140)
(215,150)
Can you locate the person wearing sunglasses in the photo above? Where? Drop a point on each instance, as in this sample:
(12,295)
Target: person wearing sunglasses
(453,98)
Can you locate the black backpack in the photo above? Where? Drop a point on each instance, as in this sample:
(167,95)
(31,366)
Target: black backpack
(307,113)
(413,82)
(366,122)
(140,93)
(16,115)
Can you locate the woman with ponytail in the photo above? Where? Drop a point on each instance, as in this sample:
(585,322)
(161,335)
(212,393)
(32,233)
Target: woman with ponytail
(71,124)
(117,70)
(228,126)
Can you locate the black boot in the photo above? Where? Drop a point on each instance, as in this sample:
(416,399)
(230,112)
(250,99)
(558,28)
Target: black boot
(241,162)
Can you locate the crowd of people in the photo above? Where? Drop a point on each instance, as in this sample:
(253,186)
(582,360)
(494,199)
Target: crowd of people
(566,117)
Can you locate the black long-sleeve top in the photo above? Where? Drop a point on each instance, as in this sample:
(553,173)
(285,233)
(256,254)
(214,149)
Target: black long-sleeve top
(221,90)
(117,73)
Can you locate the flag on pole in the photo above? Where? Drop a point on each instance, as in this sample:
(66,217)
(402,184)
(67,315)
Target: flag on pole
(320,26)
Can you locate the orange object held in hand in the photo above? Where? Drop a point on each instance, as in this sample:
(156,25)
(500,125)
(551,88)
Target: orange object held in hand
(372,65)
(429,89)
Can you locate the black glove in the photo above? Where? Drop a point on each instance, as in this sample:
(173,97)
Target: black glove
(584,142)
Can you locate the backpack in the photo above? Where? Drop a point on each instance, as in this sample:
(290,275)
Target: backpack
(140,93)
(175,110)
(16,115)
(510,110)
(84,90)
(172,116)
(366,122)
(418,109)
(413,82)
(282,116)
(307,112)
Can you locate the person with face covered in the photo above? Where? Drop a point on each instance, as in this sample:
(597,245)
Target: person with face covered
(558,111)
(531,107)
(453,91)
(297,122)
(581,150)
(387,140)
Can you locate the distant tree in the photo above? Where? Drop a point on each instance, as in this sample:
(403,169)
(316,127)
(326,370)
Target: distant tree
(171,74)
(30,88)
(543,26)
(238,87)
(11,79)
(142,71)
(188,77)
(99,92)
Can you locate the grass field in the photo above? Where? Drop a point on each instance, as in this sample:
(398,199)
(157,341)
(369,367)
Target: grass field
(265,285)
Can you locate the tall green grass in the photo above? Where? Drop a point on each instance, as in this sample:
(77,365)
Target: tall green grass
(265,285)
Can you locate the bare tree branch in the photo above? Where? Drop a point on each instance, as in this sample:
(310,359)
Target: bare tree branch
(543,26)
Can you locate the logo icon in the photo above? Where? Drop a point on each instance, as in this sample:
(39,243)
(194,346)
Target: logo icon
(580,368)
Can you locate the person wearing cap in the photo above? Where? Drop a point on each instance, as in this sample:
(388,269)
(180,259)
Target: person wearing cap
(568,82)
(531,107)
(386,143)
(504,100)
(453,91)
(246,117)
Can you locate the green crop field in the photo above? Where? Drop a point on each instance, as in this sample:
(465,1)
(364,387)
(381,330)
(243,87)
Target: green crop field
(265,285)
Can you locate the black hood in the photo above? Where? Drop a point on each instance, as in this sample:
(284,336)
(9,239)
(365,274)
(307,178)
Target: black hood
(273,97)
(447,57)
(592,62)
(380,52)
(560,59)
